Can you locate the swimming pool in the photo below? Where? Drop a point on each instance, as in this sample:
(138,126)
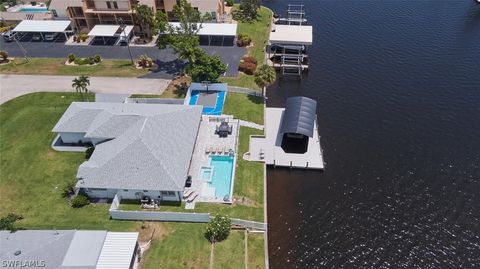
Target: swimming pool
(208,109)
(34,10)
(222,176)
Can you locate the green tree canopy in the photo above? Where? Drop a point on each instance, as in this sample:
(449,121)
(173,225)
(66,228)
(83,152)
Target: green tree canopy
(249,9)
(265,75)
(146,18)
(218,229)
(80,85)
(206,67)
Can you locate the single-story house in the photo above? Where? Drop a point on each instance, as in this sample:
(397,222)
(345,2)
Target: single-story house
(140,149)
(68,249)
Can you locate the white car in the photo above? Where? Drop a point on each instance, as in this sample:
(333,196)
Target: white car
(50,36)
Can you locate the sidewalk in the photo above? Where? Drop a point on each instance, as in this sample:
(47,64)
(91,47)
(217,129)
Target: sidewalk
(12,86)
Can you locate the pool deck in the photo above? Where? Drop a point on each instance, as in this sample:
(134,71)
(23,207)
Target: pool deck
(273,154)
(207,138)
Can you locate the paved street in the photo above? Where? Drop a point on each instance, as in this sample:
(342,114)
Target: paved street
(165,58)
(12,86)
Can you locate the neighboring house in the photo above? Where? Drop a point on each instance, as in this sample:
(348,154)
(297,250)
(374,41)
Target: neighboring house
(68,249)
(88,13)
(140,149)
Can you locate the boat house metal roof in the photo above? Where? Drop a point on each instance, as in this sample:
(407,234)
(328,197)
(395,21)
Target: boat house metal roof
(299,116)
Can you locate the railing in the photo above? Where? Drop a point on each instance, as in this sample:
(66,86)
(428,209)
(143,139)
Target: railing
(243,90)
(250,224)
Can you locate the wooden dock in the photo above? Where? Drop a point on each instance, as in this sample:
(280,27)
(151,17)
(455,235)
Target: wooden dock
(268,148)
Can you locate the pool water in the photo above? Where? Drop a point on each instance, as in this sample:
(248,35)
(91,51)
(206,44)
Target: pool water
(206,173)
(34,10)
(217,110)
(222,175)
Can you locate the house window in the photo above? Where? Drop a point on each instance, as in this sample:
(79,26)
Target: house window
(145,191)
(97,189)
(214,14)
(115,5)
(125,190)
(109,5)
(168,193)
(54,12)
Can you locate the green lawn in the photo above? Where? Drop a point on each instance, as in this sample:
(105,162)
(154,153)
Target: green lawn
(231,252)
(183,247)
(56,66)
(245,107)
(259,32)
(256,251)
(32,174)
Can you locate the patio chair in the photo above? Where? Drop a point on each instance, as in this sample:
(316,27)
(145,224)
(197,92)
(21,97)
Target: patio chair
(225,151)
(187,193)
(207,150)
(189,200)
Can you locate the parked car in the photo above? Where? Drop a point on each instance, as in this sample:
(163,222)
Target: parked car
(9,36)
(37,37)
(50,36)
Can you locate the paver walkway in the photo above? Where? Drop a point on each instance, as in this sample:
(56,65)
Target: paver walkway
(251,125)
(12,86)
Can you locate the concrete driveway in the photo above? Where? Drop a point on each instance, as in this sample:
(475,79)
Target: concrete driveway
(12,86)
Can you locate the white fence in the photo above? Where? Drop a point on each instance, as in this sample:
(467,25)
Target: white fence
(118,214)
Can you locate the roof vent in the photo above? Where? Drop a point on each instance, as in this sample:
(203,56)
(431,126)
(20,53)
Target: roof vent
(18,252)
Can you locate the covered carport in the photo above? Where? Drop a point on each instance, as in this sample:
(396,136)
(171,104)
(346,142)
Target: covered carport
(215,34)
(44,27)
(110,34)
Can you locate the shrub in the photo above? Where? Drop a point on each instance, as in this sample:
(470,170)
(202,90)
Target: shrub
(249,59)
(3,55)
(89,152)
(218,229)
(8,222)
(71,57)
(243,40)
(90,60)
(230,3)
(247,68)
(144,61)
(80,201)
(80,61)
(97,58)
(68,189)
(83,37)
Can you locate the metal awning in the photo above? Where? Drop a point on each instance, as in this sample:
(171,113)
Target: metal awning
(109,30)
(42,26)
(299,116)
(291,34)
(213,29)
(117,251)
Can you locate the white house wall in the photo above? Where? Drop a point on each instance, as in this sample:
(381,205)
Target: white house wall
(130,194)
(74,137)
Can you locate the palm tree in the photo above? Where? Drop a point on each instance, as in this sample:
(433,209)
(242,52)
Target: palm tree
(264,76)
(80,85)
(146,18)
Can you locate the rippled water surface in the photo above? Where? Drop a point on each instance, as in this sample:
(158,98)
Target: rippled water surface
(398,91)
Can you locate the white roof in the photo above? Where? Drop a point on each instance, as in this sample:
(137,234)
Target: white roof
(291,34)
(84,249)
(109,30)
(214,29)
(117,250)
(42,26)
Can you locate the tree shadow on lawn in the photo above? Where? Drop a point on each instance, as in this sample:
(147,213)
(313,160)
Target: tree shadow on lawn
(255,99)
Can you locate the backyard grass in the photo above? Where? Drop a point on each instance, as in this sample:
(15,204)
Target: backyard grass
(56,66)
(232,249)
(32,174)
(245,107)
(256,251)
(259,31)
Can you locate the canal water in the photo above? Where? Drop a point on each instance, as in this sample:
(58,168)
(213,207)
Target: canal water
(398,91)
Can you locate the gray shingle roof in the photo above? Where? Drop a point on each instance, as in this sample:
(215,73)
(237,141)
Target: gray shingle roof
(299,116)
(152,148)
